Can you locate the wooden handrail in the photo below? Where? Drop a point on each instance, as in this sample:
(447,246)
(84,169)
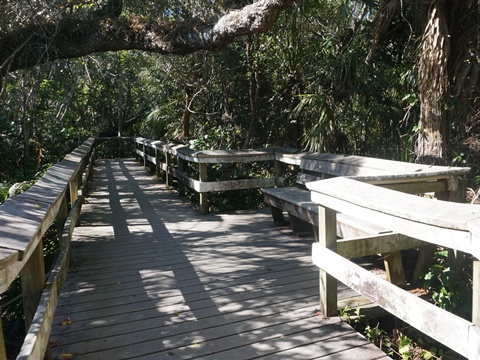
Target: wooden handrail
(159,156)
(442,223)
(415,178)
(24,219)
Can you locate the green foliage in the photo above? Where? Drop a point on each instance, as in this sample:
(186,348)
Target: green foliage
(446,289)
(380,337)
(155,124)
(4,187)
(390,340)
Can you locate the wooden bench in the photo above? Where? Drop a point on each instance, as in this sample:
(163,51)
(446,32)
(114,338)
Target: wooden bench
(450,225)
(411,178)
(303,214)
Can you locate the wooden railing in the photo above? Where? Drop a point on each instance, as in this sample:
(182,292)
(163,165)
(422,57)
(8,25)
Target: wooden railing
(25,218)
(175,161)
(56,198)
(450,225)
(181,162)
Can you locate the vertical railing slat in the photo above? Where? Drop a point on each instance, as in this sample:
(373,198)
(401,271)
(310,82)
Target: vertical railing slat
(327,237)
(202,174)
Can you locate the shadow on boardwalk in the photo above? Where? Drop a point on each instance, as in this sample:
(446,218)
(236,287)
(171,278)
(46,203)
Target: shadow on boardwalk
(153,279)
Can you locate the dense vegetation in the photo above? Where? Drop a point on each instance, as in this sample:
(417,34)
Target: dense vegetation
(338,76)
(397,79)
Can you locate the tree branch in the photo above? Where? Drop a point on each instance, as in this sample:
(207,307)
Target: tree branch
(71,37)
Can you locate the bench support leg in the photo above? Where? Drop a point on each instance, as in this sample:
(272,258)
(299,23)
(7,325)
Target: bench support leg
(394,267)
(327,236)
(425,260)
(300,226)
(277,215)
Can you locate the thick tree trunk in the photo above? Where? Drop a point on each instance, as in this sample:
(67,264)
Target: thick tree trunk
(434,86)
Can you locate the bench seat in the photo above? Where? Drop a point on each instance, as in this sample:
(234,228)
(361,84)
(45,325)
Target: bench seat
(363,237)
(303,213)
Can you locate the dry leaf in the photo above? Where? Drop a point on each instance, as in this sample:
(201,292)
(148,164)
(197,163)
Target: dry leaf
(54,344)
(66,322)
(67,356)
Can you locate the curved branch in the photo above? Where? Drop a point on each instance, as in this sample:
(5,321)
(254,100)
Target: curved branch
(71,38)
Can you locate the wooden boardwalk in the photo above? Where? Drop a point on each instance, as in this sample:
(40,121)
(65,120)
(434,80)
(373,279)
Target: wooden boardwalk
(153,279)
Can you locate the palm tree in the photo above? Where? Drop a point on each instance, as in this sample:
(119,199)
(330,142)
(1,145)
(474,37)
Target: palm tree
(447,44)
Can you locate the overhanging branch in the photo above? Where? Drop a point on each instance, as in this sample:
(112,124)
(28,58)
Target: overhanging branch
(71,38)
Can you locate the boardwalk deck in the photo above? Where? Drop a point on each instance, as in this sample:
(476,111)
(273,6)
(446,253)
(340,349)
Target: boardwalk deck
(152,279)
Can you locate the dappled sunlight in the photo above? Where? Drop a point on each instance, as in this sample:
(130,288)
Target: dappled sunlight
(142,229)
(169,282)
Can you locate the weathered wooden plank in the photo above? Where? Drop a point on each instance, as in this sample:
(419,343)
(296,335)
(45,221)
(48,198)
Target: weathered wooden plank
(342,165)
(450,238)
(423,316)
(330,347)
(476,292)
(20,223)
(416,187)
(425,219)
(195,286)
(291,157)
(352,165)
(405,183)
(234,156)
(298,202)
(25,218)
(3,351)
(327,237)
(404,206)
(203,178)
(7,257)
(38,336)
(358,353)
(236,184)
(370,245)
(33,281)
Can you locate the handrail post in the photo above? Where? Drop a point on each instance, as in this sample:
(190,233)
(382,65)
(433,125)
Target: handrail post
(144,154)
(62,215)
(157,163)
(135,148)
(278,168)
(168,175)
(476,292)
(73,190)
(33,282)
(121,145)
(151,165)
(327,237)
(202,170)
(181,169)
(3,351)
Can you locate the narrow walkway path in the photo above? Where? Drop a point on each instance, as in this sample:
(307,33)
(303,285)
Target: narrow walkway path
(153,279)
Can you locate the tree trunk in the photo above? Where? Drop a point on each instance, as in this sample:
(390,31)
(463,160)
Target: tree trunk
(254,90)
(434,86)
(120,105)
(186,111)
